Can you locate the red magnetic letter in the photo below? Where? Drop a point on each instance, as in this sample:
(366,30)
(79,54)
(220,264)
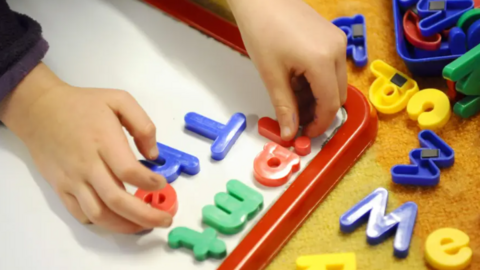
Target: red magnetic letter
(164,199)
(270,129)
(452,91)
(274,165)
(413,35)
(303,146)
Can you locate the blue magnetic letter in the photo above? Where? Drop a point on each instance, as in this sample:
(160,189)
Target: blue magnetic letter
(424,171)
(457,41)
(171,163)
(474,35)
(356,41)
(380,226)
(436,20)
(224,136)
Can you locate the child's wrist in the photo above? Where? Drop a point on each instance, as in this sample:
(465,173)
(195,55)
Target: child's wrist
(15,107)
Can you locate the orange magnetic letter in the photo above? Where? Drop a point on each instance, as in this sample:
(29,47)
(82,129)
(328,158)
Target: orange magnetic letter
(164,199)
(274,165)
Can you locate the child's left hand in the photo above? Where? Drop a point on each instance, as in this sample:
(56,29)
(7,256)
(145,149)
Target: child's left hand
(287,40)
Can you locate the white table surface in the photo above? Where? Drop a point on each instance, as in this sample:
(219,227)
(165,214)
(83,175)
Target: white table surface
(170,69)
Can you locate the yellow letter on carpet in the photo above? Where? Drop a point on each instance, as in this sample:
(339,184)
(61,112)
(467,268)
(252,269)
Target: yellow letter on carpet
(339,261)
(447,249)
(430,108)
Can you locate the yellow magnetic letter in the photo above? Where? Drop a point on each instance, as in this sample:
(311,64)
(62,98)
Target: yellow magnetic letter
(343,261)
(447,249)
(392,89)
(430,107)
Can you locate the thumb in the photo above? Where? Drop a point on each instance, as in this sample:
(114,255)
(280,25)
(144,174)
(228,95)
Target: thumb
(277,81)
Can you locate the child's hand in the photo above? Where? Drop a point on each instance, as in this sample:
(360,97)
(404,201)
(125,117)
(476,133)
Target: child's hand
(76,139)
(285,39)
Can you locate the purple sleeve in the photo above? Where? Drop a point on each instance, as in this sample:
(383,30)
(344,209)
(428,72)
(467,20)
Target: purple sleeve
(22,47)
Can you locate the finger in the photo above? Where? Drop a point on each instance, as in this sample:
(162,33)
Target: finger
(342,77)
(119,158)
(326,96)
(125,204)
(74,208)
(120,184)
(277,81)
(101,215)
(136,121)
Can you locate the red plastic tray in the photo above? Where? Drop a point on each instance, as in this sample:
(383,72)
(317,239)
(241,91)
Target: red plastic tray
(314,183)
(203,20)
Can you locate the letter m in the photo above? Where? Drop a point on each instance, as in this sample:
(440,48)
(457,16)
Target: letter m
(380,227)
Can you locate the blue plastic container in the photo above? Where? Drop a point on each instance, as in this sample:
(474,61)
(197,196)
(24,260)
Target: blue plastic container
(436,21)
(424,67)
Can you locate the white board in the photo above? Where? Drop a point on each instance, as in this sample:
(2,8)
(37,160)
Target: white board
(171,70)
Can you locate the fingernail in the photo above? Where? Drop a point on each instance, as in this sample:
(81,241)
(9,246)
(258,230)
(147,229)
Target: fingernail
(158,180)
(286,131)
(167,222)
(86,222)
(155,180)
(154,152)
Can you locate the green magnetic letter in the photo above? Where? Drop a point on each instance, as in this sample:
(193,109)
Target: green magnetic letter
(467,107)
(463,66)
(204,244)
(470,85)
(232,210)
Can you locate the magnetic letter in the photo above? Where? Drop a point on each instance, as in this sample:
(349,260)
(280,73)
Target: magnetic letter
(224,136)
(392,89)
(464,71)
(233,209)
(355,30)
(425,171)
(274,165)
(270,129)
(344,261)
(204,245)
(380,226)
(448,249)
(171,163)
(430,107)
(303,145)
(164,199)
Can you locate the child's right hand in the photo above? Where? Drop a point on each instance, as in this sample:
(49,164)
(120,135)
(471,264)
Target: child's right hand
(76,139)
(301,57)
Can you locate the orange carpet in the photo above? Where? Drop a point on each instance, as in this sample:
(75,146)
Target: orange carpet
(453,203)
